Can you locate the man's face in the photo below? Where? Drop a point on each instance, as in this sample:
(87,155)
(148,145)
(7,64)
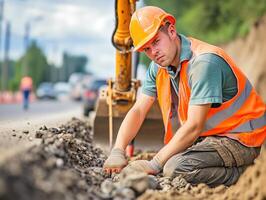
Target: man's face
(162,49)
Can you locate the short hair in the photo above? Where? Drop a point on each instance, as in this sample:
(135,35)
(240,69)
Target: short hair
(164,27)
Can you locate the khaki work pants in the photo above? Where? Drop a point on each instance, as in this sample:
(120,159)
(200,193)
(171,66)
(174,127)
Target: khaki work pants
(214,161)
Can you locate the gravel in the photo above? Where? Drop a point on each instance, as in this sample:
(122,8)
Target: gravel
(67,165)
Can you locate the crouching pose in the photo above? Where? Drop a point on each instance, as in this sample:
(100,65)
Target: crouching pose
(223,120)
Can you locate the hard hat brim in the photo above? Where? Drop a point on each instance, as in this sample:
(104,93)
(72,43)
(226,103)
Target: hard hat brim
(152,35)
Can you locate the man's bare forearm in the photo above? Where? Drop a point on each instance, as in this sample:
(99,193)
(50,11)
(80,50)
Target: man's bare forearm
(129,128)
(183,139)
(187,134)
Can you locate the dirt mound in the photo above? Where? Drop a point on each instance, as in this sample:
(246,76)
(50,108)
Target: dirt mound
(68,166)
(65,166)
(249,54)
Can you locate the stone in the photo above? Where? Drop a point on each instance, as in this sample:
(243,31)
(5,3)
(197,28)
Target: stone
(124,194)
(179,182)
(107,186)
(39,134)
(59,162)
(136,180)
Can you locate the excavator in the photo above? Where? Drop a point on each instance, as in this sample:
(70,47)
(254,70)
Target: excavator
(118,97)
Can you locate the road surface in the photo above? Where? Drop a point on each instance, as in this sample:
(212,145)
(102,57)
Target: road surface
(18,127)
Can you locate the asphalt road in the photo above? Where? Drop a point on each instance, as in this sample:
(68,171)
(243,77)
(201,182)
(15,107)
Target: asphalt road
(47,107)
(18,127)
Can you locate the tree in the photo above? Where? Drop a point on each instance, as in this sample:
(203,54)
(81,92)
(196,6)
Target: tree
(33,64)
(215,22)
(73,63)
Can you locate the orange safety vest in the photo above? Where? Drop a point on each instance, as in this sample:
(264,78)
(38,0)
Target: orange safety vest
(242,118)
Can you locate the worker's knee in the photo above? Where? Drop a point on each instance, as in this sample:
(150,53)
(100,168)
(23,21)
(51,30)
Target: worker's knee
(169,168)
(177,164)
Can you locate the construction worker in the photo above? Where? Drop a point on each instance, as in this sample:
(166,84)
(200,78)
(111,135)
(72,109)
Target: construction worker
(26,87)
(223,120)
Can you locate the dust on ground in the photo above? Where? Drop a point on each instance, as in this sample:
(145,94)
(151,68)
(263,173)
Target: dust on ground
(67,165)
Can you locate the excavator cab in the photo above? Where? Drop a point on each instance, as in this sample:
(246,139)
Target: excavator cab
(116,100)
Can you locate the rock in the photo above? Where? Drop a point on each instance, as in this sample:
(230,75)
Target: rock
(59,162)
(178,182)
(136,180)
(39,134)
(50,163)
(25,132)
(43,128)
(63,166)
(48,141)
(124,194)
(115,177)
(54,130)
(67,136)
(164,182)
(107,187)
(188,186)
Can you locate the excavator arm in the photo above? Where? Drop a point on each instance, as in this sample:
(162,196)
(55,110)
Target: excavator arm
(120,95)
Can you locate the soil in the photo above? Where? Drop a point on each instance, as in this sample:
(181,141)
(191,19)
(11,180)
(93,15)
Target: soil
(249,55)
(66,165)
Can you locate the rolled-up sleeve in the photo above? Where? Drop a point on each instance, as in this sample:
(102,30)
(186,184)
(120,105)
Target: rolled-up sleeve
(149,84)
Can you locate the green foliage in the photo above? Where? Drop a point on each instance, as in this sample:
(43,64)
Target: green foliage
(37,63)
(74,63)
(32,64)
(215,22)
(10,72)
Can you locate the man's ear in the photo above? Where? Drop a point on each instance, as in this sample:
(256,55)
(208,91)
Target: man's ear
(172,31)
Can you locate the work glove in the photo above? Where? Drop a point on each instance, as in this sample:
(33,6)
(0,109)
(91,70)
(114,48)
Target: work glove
(150,167)
(115,162)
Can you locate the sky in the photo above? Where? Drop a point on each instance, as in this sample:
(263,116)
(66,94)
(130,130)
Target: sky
(79,27)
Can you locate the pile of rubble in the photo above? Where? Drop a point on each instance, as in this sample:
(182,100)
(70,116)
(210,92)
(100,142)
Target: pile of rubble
(67,165)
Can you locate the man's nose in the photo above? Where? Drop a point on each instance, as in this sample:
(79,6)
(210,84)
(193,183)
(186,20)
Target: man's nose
(154,51)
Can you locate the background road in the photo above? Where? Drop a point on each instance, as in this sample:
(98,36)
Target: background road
(18,127)
(9,112)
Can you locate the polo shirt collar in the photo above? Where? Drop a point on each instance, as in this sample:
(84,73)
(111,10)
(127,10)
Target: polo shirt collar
(186,54)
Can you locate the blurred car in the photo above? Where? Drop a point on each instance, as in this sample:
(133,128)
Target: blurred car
(91,93)
(62,90)
(75,78)
(78,83)
(46,91)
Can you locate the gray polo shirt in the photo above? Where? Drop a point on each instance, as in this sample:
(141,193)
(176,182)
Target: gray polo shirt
(211,79)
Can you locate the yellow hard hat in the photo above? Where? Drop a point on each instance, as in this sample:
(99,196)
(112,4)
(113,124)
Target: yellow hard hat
(145,23)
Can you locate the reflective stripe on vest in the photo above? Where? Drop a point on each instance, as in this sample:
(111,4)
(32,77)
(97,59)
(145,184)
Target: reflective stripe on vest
(242,117)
